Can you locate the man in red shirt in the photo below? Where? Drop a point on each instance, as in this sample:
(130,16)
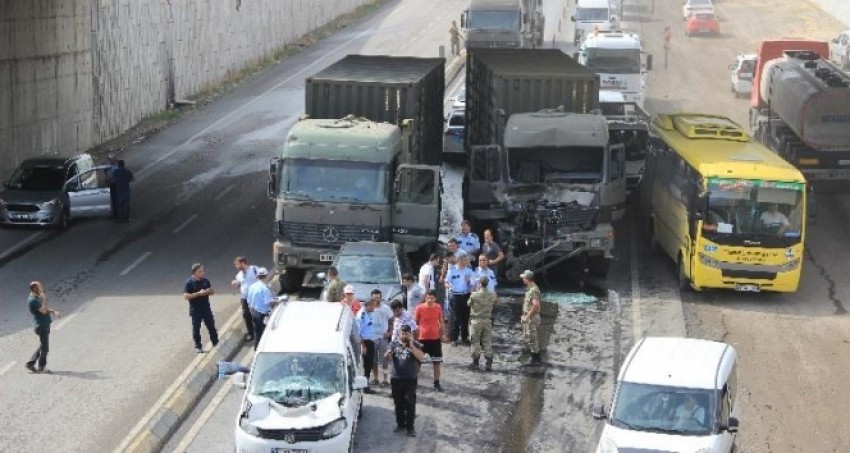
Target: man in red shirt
(429,318)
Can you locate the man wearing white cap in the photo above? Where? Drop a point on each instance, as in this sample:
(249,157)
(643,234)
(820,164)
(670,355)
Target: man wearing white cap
(261,301)
(349,300)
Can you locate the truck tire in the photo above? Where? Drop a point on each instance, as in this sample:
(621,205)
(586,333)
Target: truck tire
(291,280)
(598,266)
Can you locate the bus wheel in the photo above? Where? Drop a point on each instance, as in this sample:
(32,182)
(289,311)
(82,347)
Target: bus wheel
(681,279)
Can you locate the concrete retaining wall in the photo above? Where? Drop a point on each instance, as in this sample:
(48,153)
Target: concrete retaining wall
(75,73)
(840,9)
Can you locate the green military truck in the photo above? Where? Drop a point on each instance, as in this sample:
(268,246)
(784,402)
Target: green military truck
(508,24)
(360,165)
(541,172)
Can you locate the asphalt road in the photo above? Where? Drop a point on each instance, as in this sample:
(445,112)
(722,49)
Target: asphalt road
(199,196)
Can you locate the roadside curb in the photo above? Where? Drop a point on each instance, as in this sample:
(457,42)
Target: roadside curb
(454,66)
(182,400)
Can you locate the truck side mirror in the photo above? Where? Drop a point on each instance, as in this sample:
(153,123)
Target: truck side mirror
(733,425)
(463,19)
(701,206)
(273,177)
(238,379)
(597,410)
(573,18)
(649,62)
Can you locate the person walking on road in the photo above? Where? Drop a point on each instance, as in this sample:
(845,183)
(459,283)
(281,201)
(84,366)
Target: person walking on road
(401,317)
(481,304)
(335,286)
(485,271)
(467,240)
(429,318)
(197,292)
(110,176)
(428,274)
(122,177)
(459,282)
(414,293)
(531,316)
(494,253)
(262,302)
(370,332)
(406,356)
(384,316)
(40,311)
(246,276)
(454,35)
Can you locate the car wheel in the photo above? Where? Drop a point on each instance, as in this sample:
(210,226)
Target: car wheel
(64,221)
(598,266)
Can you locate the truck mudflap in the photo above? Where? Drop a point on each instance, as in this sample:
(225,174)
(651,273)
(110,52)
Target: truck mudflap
(536,263)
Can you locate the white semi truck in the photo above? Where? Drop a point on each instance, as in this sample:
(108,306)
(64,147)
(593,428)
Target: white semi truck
(617,57)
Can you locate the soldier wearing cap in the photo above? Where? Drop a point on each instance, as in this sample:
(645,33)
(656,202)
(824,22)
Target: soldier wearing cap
(531,316)
(261,301)
(481,304)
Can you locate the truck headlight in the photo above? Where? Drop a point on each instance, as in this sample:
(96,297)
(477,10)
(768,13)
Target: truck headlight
(248,427)
(334,428)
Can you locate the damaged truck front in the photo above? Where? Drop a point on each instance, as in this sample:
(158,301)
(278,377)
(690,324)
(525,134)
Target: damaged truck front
(541,171)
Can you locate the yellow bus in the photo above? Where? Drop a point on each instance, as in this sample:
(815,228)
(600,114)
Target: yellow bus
(727,210)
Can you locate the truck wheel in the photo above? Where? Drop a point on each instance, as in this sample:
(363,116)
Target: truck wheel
(598,266)
(291,280)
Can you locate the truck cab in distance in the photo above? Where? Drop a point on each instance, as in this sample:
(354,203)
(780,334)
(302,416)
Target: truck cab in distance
(628,125)
(503,24)
(593,15)
(617,58)
(839,50)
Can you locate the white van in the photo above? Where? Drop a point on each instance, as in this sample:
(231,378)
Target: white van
(673,395)
(304,392)
(593,14)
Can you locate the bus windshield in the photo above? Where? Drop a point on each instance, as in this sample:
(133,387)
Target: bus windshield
(743,208)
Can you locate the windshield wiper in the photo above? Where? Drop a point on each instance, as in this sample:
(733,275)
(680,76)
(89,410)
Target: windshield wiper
(628,425)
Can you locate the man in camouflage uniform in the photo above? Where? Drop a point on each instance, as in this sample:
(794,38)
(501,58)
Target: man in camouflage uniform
(481,304)
(335,286)
(531,316)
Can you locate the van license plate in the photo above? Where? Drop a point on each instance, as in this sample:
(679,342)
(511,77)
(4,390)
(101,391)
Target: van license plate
(289,450)
(326,257)
(748,288)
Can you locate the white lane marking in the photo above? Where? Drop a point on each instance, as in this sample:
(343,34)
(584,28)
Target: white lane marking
(185,223)
(637,321)
(237,315)
(209,411)
(223,193)
(21,244)
(65,321)
(135,263)
(8,367)
(141,174)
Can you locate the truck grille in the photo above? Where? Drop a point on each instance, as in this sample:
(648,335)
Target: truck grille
(292,435)
(324,235)
(583,218)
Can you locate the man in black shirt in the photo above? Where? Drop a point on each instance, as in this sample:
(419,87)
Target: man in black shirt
(406,355)
(198,291)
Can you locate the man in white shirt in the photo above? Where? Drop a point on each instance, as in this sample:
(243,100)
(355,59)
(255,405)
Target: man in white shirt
(772,218)
(428,275)
(485,271)
(246,276)
(383,316)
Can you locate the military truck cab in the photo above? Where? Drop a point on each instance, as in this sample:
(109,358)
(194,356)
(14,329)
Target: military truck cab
(503,24)
(552,190)
(338,181)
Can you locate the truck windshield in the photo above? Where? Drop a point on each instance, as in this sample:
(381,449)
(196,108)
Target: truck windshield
(591,14)
(743,208)
(662,409)
(40,178)
(334,180)
(614,61)
(494,20)
(295,378)
(578,165)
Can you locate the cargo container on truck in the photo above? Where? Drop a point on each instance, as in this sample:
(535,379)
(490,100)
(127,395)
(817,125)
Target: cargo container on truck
(541,172)
(508,24)
(801,110)
(356,167)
